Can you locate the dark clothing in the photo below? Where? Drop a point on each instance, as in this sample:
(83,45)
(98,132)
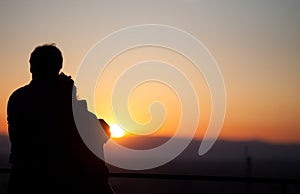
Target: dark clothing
(47,152)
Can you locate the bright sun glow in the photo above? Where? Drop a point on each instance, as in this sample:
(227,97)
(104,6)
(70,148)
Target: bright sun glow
(116,131)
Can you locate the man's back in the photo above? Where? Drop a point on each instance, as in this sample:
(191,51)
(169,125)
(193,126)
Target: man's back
(41,130)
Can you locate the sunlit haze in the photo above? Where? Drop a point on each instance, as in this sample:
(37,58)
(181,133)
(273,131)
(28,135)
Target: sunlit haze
(116,131)
(256,44)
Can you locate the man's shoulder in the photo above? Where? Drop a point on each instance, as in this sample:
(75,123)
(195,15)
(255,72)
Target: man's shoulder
(19,93)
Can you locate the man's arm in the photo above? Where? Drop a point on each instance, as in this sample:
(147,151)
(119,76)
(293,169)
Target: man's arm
(12,124)
(13,120)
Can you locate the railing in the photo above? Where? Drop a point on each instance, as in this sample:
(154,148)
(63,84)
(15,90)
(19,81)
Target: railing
(284,182)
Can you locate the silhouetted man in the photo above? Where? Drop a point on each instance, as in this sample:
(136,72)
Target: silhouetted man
(47,152)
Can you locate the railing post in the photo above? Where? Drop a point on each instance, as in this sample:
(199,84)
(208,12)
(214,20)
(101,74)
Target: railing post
(283,188)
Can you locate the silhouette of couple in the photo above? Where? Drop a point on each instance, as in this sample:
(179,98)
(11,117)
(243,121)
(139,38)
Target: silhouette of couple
(47,152)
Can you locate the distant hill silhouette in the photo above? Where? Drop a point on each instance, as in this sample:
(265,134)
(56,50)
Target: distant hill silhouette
(222,149)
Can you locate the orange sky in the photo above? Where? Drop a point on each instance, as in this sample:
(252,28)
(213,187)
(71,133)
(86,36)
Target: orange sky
(258,55)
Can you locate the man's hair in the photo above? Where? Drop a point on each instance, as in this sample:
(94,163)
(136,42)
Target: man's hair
(46,60)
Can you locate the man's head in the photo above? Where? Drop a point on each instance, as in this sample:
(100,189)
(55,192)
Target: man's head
(45,61)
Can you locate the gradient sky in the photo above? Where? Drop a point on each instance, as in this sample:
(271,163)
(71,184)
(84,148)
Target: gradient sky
(256,44)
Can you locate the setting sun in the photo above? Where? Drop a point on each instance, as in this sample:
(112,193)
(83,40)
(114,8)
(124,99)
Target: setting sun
(116,131)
